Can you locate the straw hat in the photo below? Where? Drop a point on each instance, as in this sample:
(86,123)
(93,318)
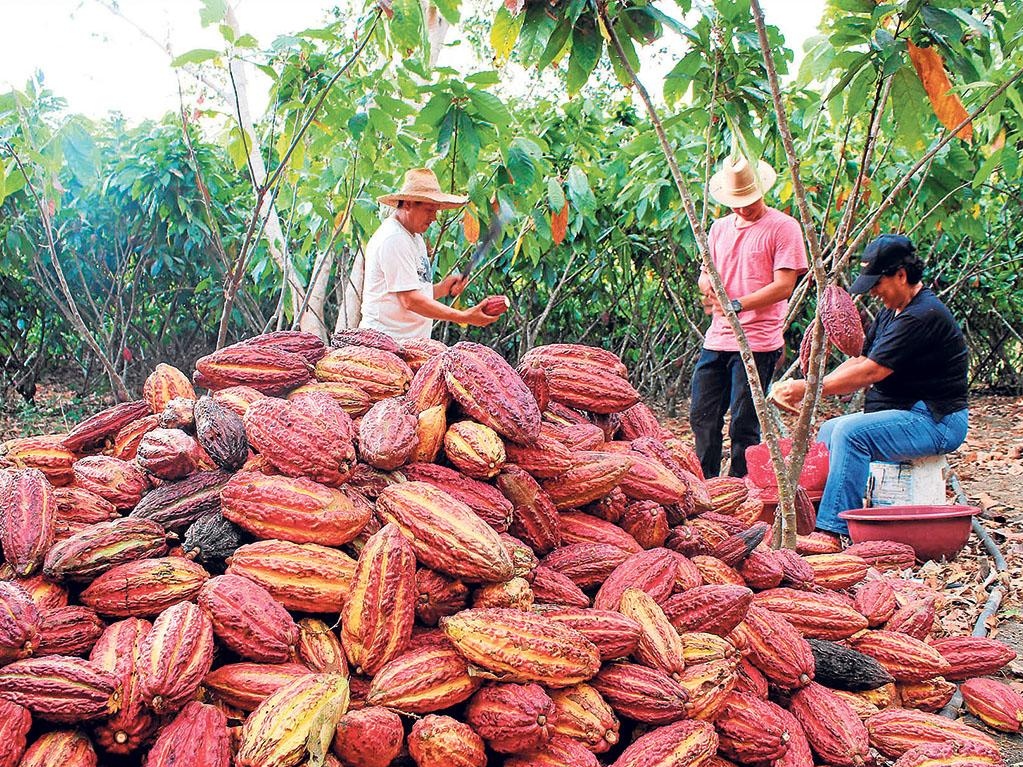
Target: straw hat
(421,186)
(736,185)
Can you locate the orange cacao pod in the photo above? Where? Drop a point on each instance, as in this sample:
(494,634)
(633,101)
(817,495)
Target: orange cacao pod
(245,685)
(27,518)
(592,477)
(112,479)
(440,741)
(308,436)
(686,743)
(929,695)
(376,620)
(895,731)
(953,754)
(59,688)
(486,500)
(831,726)
(349,396)
(164,384)
(583,715)
(995,703)
(837,571)
(264,368)
(445,533)
(175,656)
(512,718)
(972,656)
(379,373)
(369,737)
(319,648)
(495,305)
(144,587)
(824,615)
(292,509)
(476,450)
(708,685)
(517,646)
(297,720)
(907,659)
(416,351)
(423,680)
(47,454)
(248,620)
(304,577)
(119,652)
(491,392)
(915,618)
(884,555)
(68,748)
(431,426)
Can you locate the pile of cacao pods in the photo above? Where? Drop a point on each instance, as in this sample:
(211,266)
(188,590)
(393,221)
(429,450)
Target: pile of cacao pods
(376,554)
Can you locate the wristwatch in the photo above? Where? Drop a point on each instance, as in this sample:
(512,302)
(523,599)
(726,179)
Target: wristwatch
(735,305)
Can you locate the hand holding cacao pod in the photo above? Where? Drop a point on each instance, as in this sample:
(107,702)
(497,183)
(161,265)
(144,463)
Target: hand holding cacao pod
(495,305)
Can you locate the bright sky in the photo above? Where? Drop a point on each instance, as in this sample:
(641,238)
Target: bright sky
(100,63)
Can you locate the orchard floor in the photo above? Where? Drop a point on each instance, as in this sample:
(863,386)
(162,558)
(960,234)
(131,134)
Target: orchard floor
(989,466)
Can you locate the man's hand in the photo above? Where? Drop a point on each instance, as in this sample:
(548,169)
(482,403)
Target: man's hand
(788,395)
(710,302)
(476,316)
(452,285)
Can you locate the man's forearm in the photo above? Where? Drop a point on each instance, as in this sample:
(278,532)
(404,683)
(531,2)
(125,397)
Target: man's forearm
(431,308)
(852,375)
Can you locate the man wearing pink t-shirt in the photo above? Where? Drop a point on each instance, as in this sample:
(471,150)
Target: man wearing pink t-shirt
(759,252)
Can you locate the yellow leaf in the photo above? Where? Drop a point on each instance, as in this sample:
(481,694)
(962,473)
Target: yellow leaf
(947,106)
(470,225)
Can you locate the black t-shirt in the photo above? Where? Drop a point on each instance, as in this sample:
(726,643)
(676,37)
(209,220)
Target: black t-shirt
(926,352)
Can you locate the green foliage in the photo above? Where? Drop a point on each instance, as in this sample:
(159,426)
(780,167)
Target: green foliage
(145,257)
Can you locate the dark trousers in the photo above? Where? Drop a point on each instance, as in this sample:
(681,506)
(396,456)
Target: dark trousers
(720,384)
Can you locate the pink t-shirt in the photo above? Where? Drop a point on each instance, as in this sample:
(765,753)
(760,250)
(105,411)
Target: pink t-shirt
(746,259)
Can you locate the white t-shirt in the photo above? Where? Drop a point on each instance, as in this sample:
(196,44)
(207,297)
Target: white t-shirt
(395,261)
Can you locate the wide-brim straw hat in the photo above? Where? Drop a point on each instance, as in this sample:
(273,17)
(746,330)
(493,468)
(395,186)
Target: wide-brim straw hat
(421,186)
(737,185)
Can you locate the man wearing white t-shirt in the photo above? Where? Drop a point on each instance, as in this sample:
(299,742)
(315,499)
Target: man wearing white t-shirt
(399,296)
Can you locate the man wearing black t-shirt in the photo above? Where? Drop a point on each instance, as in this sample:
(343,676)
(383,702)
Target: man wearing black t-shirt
(914,366)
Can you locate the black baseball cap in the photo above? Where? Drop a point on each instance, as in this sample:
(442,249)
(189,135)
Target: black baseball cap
(886,253)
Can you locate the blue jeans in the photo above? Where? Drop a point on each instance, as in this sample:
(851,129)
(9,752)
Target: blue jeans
(720,384)
(888,435)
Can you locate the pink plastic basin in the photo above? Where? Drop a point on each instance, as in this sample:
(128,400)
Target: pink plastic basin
(933,531)
(812,477)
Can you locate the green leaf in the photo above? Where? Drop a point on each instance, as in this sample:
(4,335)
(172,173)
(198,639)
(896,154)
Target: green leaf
(246,41)
(490,107)
(853,6)
(555,194)
(504,33)
(942,22)
(850,73)
(987,168)
(485,78)
(448,9)
(579,191)
(535,33)
(587,45)
(523,156)
(407,27)
(212,11)
(556,44)
(196,56)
